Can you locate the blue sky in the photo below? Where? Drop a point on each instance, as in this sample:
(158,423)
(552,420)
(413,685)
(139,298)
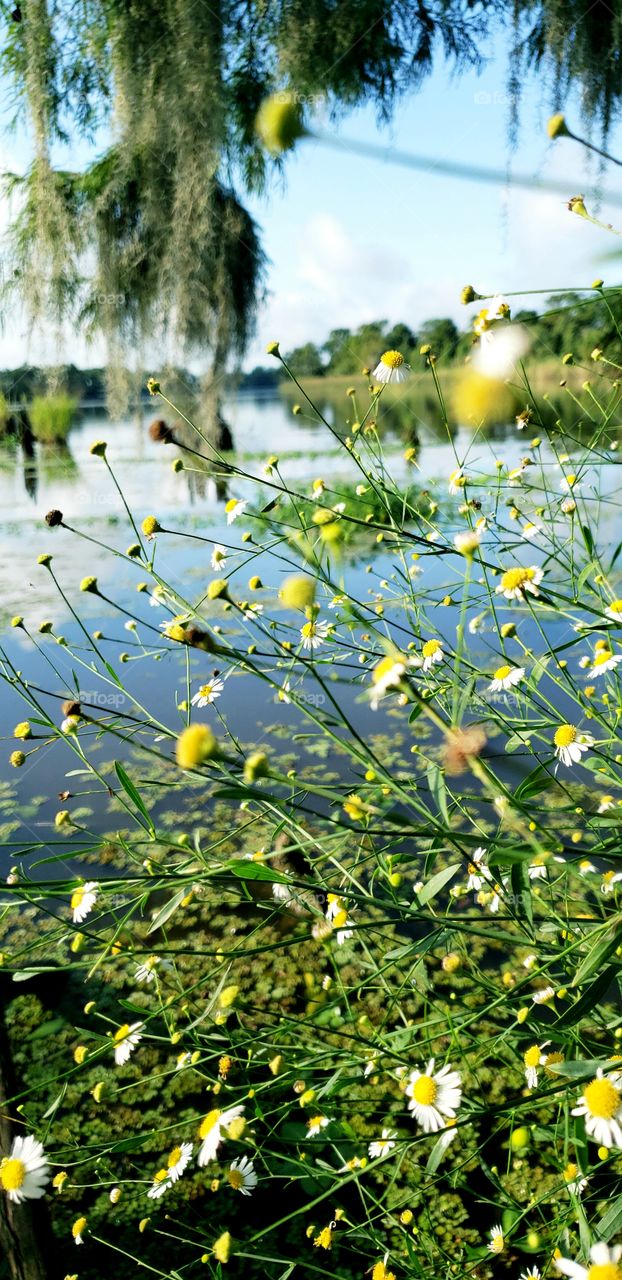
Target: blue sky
(351,239)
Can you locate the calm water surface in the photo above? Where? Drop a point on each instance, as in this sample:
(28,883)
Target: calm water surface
(77,483)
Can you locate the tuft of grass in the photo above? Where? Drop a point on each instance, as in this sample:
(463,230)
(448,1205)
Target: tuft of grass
(52,416)
(5,416)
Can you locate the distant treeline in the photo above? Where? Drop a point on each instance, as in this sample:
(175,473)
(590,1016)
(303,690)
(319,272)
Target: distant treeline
(88,386)
(569,322)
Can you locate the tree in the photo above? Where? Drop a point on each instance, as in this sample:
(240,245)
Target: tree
(305,361)
(442,335)
(151,238)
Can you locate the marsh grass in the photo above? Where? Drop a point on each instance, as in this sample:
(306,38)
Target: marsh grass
(52,416)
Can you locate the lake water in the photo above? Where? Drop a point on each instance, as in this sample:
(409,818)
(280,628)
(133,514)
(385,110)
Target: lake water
(77,483)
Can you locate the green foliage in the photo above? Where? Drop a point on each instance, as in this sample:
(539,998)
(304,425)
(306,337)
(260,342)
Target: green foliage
(161,212)
(52,416)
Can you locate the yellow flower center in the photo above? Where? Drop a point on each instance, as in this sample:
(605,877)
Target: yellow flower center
(76,898)
(380,1272)
(606,1271)
(615,606)
(235,1179)
(570,1172)
(430,648)
(571,479)
(161,1175)
(78,1227)
(603,655)
(340,919)
(174,1157)
(603,1100)
(308,630)
(424,1091)
(122,1033)
(231,504)
(565,735)
(502,672)
(392,359)
(12,1174)
(532,1056)
(205,690)
(384,668)
(513,578)
(208,1123)
(325,1239)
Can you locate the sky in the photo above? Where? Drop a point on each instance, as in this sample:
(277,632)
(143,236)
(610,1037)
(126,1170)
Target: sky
(352,239)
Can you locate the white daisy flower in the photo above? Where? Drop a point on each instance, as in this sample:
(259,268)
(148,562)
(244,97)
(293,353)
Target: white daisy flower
(569,483)
(83,900)
(529,960)
(219,557)
(585,866)
(233,508)
(609,881)
(315,1124)
(606,803)
(604,660)
(476,869)
(537,870)
(70,724)
(431,652)
(207,693)
(211,1130)
(496,1243)
(574,1179)
(543,996)
(386,675)
(241,1176)
(24,1173)
(499,351)
(493,900)
(505,677)
(383,1145)
(571,744)
(391,368)
(161,1183)
(338,918)
(434,1096)
(604,1260)
(614,611)
(517,583)
(125,1041)
(533,1058)
(145,972)
(457,481)
(531,530)
(467,541)
(178,1160)
(156,599)
(532,1273)
(313,634)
